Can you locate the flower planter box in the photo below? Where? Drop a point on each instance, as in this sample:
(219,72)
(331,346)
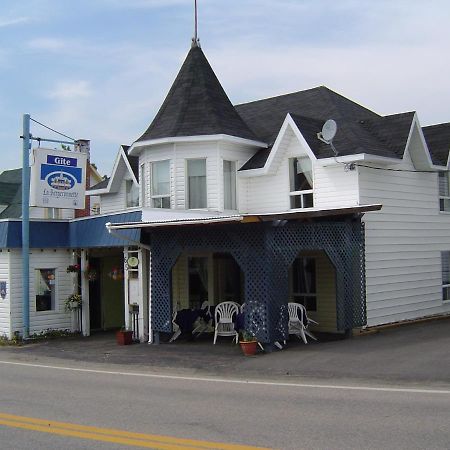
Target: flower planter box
(124,337)
(249,347)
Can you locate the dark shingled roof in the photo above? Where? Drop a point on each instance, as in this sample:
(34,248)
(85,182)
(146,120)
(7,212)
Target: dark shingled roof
(359,129)
(438,141)
(196,105)
(11,193)
(134,164)
(101,185)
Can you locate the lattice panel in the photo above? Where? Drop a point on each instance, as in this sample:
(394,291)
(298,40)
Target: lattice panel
(264,253)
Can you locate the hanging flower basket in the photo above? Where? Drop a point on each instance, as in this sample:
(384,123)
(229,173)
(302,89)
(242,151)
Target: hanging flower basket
(73,302)
(116,273)
(91,273)
(73,268)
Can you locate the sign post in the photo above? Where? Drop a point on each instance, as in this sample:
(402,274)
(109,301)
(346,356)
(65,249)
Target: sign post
(26,225)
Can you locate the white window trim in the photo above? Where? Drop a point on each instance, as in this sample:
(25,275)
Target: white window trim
(55,310)
(159,196)
(235,182)
(444,197)
(186,184)
(300,193)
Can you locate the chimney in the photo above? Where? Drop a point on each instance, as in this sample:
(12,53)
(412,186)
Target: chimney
(84,146)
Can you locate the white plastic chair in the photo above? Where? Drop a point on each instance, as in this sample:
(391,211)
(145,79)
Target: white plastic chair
(299,322)
(224,314)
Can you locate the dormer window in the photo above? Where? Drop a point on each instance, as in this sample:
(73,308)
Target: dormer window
(132,194)
(301,183)
(444,191)
(196,184)
(161,184)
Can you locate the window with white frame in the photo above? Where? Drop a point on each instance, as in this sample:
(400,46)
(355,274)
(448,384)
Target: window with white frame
(45,284)
(161,184)
(229,185)
(445,258)
(303,284)
(444,191)
(301,183)
(196,184)
(132,194)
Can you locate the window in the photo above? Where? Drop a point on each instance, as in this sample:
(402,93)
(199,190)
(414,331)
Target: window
(445,257)
(229,185)
(444,191)
(132,194)
(161,184)
(301,183)
(196,183)
(45,289)
(304,282)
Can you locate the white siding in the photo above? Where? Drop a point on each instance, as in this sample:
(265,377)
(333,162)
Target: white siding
(5,322)
(44,259)
(403,245)
(334,187)
(115,201)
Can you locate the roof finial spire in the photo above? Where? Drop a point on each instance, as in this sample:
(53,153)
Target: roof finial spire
(195,39)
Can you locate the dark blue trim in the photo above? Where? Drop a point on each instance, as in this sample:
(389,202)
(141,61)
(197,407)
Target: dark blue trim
(89,232)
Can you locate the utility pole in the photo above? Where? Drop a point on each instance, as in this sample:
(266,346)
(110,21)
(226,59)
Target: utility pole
(26,225)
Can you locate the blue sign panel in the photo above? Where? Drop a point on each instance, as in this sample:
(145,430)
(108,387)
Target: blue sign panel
(61,161)
(72,174)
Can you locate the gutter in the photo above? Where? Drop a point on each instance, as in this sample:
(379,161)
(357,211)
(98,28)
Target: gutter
(125,238)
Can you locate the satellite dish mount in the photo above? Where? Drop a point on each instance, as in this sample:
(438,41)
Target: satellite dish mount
(328,133)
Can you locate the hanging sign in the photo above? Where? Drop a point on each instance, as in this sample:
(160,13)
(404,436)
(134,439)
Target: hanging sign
(58,179)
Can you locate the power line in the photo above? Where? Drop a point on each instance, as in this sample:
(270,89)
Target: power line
(398,170)
(51,129)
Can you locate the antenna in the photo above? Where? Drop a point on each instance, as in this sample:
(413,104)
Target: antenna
(195,39)
(328,133)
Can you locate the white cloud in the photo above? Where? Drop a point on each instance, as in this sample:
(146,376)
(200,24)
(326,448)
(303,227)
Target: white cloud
(13,21)
(47,43)
(67,90)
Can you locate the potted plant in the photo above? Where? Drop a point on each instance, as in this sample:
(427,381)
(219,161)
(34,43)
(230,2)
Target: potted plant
(248,342)
(73,268)
(124,336)
(73,302)
(91,273)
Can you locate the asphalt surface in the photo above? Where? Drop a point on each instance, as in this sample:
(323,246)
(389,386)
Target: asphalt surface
(414,354)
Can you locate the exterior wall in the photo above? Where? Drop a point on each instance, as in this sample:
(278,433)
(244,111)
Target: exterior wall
(214,152)
(115,201)
(333,186)
(41,320)
(40,213)
(5,323)
(403,244)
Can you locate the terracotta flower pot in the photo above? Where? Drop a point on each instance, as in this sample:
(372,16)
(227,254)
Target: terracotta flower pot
(124,337)
(249,347)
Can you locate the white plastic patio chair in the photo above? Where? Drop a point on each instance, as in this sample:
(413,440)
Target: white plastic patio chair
(299,322)
(224,314)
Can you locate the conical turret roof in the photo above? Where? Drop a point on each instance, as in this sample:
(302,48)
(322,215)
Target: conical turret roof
(196,105)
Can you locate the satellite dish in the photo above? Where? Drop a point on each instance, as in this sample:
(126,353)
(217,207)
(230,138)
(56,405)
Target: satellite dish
(329,130)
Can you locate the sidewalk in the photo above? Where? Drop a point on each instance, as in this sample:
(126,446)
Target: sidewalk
(416,353)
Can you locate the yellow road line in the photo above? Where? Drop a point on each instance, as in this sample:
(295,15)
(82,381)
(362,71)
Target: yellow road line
(153,441)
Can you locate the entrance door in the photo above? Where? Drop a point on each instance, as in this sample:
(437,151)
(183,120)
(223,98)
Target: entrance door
(112,293)
(198,280)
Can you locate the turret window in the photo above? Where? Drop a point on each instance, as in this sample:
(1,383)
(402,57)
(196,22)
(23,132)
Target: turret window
(229,185)
(161,184)
(196,184)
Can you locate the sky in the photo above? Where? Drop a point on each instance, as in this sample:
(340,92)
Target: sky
(100,69)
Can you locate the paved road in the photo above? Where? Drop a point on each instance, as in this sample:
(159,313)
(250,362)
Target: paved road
(266,414)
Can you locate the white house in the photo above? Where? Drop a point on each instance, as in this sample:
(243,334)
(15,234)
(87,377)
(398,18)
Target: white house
(247,203)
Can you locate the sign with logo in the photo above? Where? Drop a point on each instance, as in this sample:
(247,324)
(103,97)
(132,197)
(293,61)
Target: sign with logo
(58,179)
